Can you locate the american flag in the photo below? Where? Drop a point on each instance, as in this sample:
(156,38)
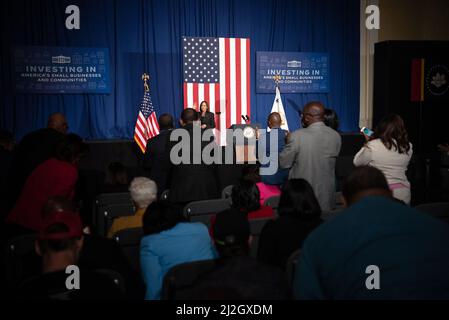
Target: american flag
(218,70)
(146,125)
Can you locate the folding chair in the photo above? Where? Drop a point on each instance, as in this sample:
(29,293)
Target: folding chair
(107,213)
(105,200)
(129,241)
(165,194)
(183,275)
(227,192)
(202,211)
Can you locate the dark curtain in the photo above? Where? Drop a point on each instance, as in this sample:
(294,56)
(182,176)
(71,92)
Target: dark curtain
(145,36)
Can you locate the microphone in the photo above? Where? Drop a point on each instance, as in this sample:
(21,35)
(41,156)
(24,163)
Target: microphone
(244,119)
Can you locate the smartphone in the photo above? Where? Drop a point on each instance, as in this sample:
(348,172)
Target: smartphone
(367,131)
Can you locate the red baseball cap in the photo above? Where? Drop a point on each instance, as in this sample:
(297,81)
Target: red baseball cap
(69,219)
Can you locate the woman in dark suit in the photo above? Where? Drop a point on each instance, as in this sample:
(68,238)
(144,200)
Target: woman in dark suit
(207,118)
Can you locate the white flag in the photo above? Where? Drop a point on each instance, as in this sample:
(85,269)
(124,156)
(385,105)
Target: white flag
(279,107)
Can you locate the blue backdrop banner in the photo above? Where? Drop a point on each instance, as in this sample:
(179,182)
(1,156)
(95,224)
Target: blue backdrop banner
(146,36)
(299,72)
(61,70)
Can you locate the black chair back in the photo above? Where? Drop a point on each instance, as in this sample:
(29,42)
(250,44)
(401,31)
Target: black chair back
(183,275)
(202,211)
(227,192)
(165,194)
(129,241)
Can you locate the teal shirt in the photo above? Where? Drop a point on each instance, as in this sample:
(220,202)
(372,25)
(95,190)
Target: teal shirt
(410,248)
(185,242)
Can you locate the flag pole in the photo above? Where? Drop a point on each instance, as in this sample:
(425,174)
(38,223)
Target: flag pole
(277,79)
(145,79)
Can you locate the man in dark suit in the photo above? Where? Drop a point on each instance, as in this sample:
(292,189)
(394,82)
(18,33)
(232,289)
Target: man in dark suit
(189,181)
(33,149)
(157,157)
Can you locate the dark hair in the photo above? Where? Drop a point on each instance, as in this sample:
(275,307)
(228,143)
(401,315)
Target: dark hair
(299,200)
(207,104)
(391,131)
(71,147)
(116,174)
(245,196)
(189,115)
(56,245)
(160,216)
(251,172)
(232,250)
(331,119)
(165,121)
(363,179)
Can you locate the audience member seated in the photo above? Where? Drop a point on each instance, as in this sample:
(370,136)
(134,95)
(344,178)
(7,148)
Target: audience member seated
(143,192)
(375,249)
(274,122)
(246,198)
(299,214)
(96,253)
(191,182)
(59,244)
(32,150)
(116,178)
(390,151)
(236,272)
(54,177)
(157,156)
(169,240)
(252,173)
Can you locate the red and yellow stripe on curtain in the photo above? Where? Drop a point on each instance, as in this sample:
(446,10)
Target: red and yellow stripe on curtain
(417,88)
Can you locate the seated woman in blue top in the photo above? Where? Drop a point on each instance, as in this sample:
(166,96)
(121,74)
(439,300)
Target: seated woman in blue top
(169,240)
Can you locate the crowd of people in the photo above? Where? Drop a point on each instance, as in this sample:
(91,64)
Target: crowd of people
(376,227)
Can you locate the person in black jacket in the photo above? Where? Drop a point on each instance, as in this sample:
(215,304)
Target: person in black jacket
(157,156)
(191,181)
(207,118)
(299,214)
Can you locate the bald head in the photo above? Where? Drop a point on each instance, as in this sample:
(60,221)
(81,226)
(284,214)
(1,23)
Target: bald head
(274,120)
(312,112)
(58,122)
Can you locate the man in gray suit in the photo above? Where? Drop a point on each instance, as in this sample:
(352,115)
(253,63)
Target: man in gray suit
(310,153)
